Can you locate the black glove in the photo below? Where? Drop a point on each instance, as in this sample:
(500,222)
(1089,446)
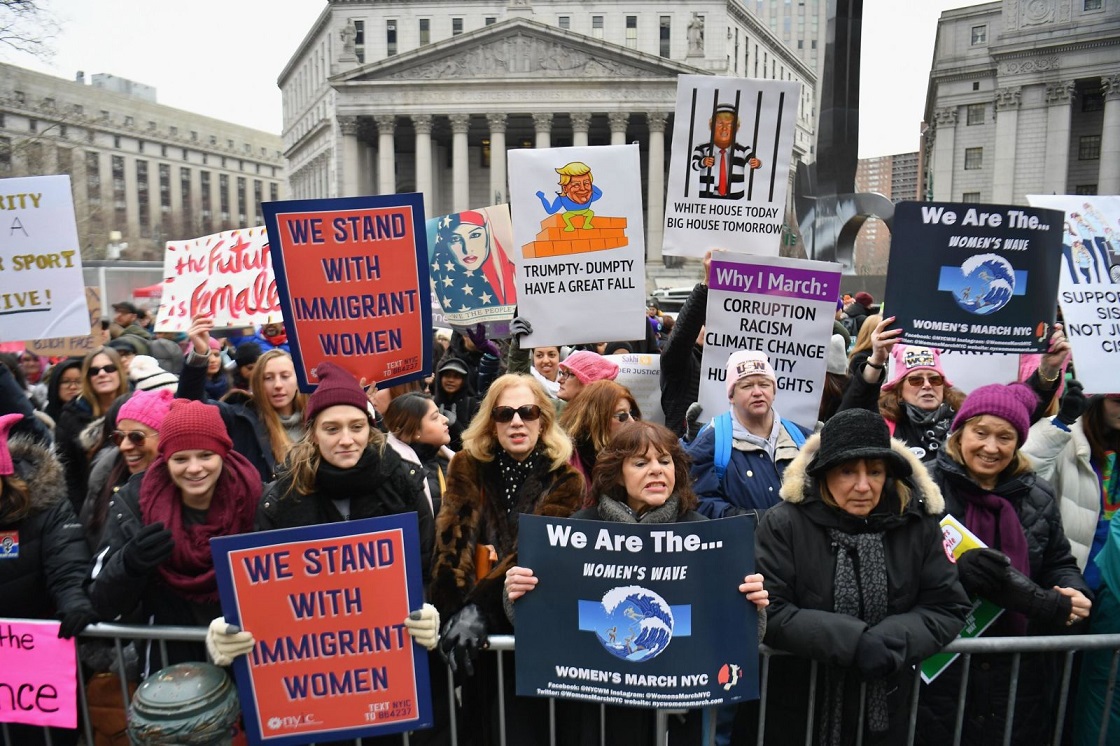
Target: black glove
(691,426)
(1074,402)
(463,636)
(877,657)
(520,326)
(147,550)
(1020,593)
(481,343)
(75,621)
(983,571)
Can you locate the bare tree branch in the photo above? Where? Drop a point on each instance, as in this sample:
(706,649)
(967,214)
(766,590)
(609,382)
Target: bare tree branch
(28,26)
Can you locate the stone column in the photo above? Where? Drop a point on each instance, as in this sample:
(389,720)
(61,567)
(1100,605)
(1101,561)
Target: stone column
(1007,128)
(542,123)
(655,194)
(618,120)
(1058,98)
(945,130)
(1108,182)
(497,124)
(349,164)
(460,168)
(581,122)
(386,154)
(423,125)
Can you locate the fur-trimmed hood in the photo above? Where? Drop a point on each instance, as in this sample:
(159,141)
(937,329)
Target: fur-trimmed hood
(41,469)
(797,482)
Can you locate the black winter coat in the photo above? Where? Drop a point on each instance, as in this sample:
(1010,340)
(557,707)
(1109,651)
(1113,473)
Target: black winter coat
(72,450)
(1052,564)
(926,605)
(45,549)
(680,361)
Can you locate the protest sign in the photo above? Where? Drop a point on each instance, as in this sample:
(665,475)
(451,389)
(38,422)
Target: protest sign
(353,281)
(637,614)
(79,344)
(979,278)
(472,272)
(577,228)
(783,307)
(38,680)
(641,374)
(40,261)
(227,275)
(732,145)
(326,604)
(1089,291)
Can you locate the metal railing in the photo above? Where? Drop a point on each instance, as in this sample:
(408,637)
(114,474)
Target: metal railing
(502,645)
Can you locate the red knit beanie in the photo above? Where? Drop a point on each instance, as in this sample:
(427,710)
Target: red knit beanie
(336,386)
(192,425)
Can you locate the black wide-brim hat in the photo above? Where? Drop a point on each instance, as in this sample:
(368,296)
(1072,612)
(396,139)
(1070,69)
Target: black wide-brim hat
(857,434)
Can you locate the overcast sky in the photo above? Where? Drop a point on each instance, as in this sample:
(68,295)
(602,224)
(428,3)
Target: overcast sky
(221,58)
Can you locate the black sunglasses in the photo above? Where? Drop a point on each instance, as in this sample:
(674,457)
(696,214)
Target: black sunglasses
(527,413)
(623,416)
(110,368)
(135,437)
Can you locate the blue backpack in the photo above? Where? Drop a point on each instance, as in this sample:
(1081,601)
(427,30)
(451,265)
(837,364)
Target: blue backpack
(721,455)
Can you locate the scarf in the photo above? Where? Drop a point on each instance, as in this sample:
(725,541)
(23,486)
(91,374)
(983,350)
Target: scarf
(929,429)
(994,521)
(860,590)
(353,482)
(1110,486)
(293,425)
(513,474)
(616,511)
(190,570)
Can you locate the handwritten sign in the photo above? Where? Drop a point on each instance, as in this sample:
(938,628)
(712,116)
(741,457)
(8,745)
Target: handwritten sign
(227,275)
(38,678)
(77,345)
(333,660)
(353,279)
(40,260)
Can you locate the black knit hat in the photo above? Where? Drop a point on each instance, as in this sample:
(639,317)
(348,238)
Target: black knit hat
(247,354)
(857,434)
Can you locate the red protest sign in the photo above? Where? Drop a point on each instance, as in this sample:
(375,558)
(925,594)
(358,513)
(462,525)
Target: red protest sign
(326,606)
(38,678)
(353,281)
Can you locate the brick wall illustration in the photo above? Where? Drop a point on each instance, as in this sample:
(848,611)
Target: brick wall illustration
(553,240)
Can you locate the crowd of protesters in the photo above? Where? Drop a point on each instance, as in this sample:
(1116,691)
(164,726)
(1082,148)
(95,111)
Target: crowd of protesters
(118,466)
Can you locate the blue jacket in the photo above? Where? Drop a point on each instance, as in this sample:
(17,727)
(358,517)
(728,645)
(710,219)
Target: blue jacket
(752,480)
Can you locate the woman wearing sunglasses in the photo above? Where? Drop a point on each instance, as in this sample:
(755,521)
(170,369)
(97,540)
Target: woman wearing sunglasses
(102,380)
(592,418)
(514,460)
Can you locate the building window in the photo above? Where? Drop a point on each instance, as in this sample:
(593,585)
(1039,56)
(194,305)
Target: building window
(241,203)
(33,125)
(258,194)
(185,196)
(632,32)
(1092,5)
(204,192)
(973,159)
(223,200)
(143,201)
(975,114)
(970,197)
(139,146)
(425,31)
(1091,101)
(979,35)
(391,37)
(117,141)
(564,22)
(5,155)
(360,40)
(1085,189)
(273,192)
(456,26)
(597,27)
(164,188)
(491,20)
(1089,148)
(120,206)
(665,28)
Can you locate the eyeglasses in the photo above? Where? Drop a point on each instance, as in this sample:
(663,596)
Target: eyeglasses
(624,416)
(70,383)
(527,413)
(919,381)
(135,437)
(563,375)
(110,368)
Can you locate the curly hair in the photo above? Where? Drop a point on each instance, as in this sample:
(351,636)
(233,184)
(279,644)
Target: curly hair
(588,414)
(890,402)
(634,439)
(87,388)
(278,438)
(480,439)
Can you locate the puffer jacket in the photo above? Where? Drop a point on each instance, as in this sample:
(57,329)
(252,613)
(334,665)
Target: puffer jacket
(1051,564)
(45,549)
(926,605)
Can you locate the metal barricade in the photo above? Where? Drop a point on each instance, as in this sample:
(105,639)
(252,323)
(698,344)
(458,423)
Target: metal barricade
(503,645)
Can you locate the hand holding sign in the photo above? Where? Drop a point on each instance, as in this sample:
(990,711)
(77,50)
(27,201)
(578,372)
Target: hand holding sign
(1055,357)
(199,333)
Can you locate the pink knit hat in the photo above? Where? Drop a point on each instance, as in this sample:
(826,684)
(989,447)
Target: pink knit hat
(907,358)
(6,422)
(147,407)
(748,363)
(1014,402)
(589,367)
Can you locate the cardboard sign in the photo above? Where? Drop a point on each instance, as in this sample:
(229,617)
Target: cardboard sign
(38,678)
(1089,292)
(732,146)
(783,307)
(637,614)
(979,278)
(40,261)
(227,275)
(77,345)
(353,281)
(641,374)
(577,225)
(326,605)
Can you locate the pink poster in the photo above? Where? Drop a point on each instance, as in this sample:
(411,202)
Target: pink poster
(38,679)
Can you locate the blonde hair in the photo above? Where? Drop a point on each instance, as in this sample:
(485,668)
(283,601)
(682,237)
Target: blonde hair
(575,168)
(304,458)
(1020,464)
(87,388)
(863,339)
(278,439)
(588,414)
(480,441)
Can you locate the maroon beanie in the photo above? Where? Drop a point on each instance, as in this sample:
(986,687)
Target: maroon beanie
(336,386)
(864,298)
(1014,402)
(192,425)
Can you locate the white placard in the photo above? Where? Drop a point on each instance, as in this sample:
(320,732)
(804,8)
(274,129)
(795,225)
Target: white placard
(641,374)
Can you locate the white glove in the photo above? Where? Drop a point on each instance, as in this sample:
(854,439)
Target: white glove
(225,641)
(423,625)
